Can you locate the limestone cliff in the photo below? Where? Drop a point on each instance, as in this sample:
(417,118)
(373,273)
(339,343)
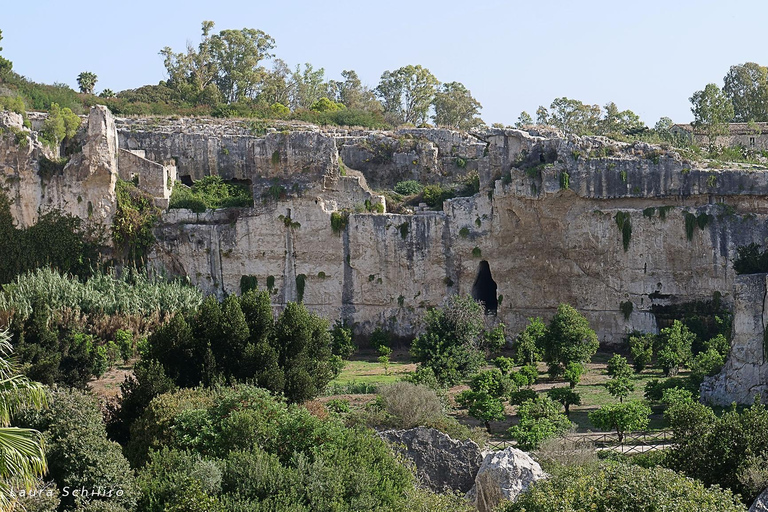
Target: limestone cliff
(611,228)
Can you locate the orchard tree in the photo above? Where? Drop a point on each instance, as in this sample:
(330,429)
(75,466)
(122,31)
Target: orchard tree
(566,396)
(621,417)
(746,86)
(456,108)
(407,93)
(712,111)
(569,340)
(528,343)
(620,384)
(86,81)
(675,344)
(641,349)
(540,419)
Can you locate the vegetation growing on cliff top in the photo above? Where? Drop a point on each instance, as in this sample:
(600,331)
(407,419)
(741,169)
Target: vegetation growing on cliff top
(210,193)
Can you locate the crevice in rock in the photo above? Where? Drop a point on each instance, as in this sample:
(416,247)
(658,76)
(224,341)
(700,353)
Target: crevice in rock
(484,289)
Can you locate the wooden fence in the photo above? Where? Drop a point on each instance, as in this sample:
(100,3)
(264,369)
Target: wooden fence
(633,442)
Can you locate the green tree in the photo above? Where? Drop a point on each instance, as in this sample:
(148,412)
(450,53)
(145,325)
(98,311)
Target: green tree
(620,384)
(641,349)
(746,86)
(22,454)
(674,349)
(623,122)
(455,107)
(712,111)
(60,124)
(274,87)
(341,340)
(236,55)
(566,396)
(621,417)
(540,419)
(454,342)
(193,73)
(528,343)
(307,87)
(571,116)
(5,64)
(407,93)
(352,93)
(569,339)
(482,406)
(524,120)
(86,81)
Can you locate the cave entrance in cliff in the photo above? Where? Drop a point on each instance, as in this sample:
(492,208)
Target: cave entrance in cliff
(484,289)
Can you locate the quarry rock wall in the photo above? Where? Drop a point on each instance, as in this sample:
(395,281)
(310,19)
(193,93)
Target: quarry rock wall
(611,228)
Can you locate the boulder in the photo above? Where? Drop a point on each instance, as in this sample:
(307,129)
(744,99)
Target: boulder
(442,463)
(503,476)
(10,119)
(761,503)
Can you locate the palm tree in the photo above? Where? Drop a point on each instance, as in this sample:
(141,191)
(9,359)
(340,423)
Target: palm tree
(22,454)
(86,81)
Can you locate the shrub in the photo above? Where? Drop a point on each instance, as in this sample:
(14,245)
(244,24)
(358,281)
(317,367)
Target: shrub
(132,224)
(654,388)
(408,187)
(210,192)
(379,338)
(615,486)
(706,364)
(528,343)
(411,405)
(454,341)
(341,340)
(434,195)
(521,396)
(540,419)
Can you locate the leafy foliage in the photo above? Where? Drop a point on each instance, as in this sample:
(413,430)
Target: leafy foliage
(568,340)
(540,419)
(455,340)
(674,349)
(210,193)
(622,487)
(60,124)
(641,349)
(408,187)
(132,225)
(621,417)
(750,260)
(528,343)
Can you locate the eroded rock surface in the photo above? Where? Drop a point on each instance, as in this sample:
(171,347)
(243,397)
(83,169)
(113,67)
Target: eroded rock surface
(761,503)
(503,476)
(442,463)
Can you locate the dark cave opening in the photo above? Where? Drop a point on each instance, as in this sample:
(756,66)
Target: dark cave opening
(484,289)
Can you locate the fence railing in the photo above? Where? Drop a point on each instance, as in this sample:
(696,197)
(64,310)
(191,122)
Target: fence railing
(632,442)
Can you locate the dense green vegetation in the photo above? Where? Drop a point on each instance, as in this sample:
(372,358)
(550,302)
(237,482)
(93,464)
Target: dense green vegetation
(210,192)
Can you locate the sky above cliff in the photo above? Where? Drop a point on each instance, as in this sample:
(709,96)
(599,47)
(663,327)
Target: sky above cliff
(647,56)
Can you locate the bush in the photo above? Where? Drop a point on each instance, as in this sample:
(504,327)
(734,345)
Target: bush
(706,364)
(675,345)
(454,343)
(528,343)
(408,187)
(434,195)
(540,419)
(341,340)
(411,405)
(655,388)
(210,192)
(622,487)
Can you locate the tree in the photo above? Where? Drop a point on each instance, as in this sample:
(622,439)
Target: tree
(22,456)
(5,64)
(674,350)
(407,93)
(86,81)
(620,384)
(524,120)
(60,124)
(566,396)
(712,111)
(540,419)
(274,86)
(621,417)
(528,343)
(107,93)
(623,122)
(453,344)
(641,349)
(341,340)
(572,116)
(484,398)
(352,93)
(456,108)
(306,87)
(236,55)
(746,86)
(569,339)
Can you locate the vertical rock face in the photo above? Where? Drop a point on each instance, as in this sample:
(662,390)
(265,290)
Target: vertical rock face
(442,463)
(745,373)
(37,182)
(503,476)
(761,503)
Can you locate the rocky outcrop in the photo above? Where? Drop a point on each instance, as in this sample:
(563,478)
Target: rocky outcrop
(745,373)
(503,476)
(442,463)
(761,503)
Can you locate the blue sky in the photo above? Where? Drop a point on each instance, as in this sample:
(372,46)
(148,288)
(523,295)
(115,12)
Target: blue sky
(648,56)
